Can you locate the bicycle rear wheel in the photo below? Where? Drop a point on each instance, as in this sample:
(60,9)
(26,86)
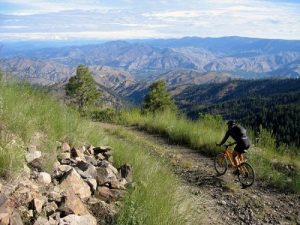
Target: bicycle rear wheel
(246,174)
(220,164)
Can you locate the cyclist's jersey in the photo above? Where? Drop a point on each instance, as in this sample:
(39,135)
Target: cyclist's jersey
(238,133)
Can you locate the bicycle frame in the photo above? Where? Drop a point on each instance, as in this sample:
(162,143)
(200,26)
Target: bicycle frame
(229,155)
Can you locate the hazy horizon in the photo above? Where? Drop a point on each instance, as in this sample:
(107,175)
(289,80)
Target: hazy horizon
(132,19)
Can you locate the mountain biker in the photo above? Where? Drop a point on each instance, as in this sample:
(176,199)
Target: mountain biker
(238,133)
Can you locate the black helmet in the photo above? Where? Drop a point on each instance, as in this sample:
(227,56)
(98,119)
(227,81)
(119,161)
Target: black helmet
(230,122)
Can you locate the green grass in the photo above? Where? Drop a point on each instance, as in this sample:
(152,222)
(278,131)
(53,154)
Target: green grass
(25,111)
(269,162)
(153,200)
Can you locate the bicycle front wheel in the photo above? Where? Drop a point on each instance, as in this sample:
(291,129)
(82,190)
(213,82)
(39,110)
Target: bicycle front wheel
(220,164)
(246,174)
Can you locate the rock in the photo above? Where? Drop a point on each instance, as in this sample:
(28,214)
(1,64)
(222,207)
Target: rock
(50,208)
(101,149)
(44,178)
(114,183)
(223,203)
(90,149)
(15,219)
(69,161)
(54,218)
(100,156)
(61,170)
(56,164)
(71,204)
(65,147)
(6,210)
(125,171)
(65,155)
(88,170)
(77,153)
(122,183)
(109,195)
(107,154)
(25,192)
(78,220)
(105,176)
(32,155)
(55,194)
(37,204)
(91,160)
(36,164)
(42,221)
(110,159)
(72,181)
(64,168)
(92,183)
(102,211)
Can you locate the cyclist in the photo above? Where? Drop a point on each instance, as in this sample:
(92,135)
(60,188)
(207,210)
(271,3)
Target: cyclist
(238,133)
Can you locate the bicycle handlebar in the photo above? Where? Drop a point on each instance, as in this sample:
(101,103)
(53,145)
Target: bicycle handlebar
(227,145)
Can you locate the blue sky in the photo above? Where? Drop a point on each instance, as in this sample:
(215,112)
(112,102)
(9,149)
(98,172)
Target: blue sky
(128,19)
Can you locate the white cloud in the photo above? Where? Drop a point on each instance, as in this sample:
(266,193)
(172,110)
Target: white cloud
(174,14)
(136,19)
(114,35)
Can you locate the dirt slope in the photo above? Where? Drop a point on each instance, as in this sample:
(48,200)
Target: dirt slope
(220,200)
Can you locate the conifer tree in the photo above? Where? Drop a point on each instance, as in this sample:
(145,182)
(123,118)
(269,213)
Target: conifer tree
(158,98)
(81,88)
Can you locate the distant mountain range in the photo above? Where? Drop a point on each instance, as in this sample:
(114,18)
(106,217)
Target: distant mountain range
(244,57)
(127,68)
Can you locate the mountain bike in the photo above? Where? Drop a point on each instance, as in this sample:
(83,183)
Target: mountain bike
(245,172)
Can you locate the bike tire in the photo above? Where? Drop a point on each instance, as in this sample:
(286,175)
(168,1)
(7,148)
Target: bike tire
(220,164)
(246,174)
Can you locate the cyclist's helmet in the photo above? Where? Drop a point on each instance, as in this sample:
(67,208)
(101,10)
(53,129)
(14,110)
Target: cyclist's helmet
(230,123)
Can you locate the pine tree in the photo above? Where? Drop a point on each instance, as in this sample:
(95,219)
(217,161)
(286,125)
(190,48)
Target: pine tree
(158,98)
(81,88)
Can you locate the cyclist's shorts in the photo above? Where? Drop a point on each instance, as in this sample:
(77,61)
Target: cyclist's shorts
(242,146)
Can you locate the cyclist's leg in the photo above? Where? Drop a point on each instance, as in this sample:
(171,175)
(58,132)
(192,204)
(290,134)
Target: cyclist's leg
(235,156)
(238,154)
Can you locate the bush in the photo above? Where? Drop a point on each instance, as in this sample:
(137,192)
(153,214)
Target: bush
(105,115)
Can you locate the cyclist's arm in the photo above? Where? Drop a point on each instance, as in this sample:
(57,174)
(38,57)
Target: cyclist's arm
(224,139)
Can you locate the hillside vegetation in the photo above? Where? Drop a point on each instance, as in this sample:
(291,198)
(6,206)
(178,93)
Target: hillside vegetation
(26,112)
(276,166)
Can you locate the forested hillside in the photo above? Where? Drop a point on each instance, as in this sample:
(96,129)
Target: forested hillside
(273,104)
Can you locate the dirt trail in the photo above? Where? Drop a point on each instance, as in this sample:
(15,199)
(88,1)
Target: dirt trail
(221,200)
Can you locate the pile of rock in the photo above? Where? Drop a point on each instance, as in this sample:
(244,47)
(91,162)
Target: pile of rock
(83,189)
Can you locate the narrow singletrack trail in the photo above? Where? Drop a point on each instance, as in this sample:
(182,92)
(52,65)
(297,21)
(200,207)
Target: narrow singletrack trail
(219,200)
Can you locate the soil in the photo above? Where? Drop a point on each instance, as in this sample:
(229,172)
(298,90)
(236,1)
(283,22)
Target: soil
(220,200)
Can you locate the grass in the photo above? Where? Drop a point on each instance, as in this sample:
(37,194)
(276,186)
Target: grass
(26,111)
(154,199)
(270,162)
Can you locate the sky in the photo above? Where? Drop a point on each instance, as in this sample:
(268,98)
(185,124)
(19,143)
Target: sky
(137,19)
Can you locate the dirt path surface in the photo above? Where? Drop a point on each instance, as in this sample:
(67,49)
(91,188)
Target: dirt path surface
(220,200)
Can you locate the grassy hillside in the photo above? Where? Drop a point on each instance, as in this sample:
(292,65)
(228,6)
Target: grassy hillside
(25,111)
(271,163)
